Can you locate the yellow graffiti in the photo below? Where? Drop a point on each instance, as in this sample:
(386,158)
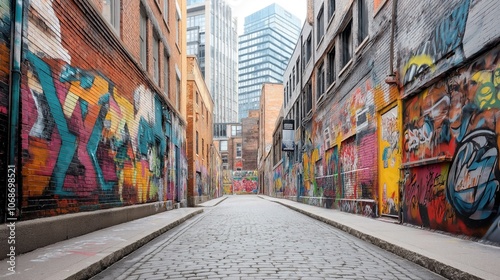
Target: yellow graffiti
(419,60)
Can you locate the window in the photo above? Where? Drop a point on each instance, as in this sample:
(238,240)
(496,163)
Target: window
(156,57)
(166,62)
(362,20)
(178,93)
(308,49)
(236,130)
(297,66)
(143,38)
(202,147)
(320,28)
(331,8)
(111,12)
(165,10)
(238,150)
(223,145)
(307,98)
(346,37)
(177,23)
(197,97)
(196,142)
(331,66)
(320,81)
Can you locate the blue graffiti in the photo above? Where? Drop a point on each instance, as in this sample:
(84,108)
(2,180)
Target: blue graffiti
(68,140)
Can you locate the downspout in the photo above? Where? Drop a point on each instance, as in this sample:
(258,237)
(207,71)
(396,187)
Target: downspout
(392,78)
(15,88)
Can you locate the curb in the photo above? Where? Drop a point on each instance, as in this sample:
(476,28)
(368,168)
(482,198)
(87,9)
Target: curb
(426,262)
(96,267)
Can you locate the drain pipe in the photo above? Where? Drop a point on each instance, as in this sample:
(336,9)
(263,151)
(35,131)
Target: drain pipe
(392,78)
(13,174)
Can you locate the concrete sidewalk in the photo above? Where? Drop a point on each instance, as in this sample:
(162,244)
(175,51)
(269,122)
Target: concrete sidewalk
(84,256)
(451,257)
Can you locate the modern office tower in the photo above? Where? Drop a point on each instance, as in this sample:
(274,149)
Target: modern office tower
(212,37)
(268,40)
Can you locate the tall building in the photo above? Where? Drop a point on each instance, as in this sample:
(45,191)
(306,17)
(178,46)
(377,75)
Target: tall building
(268,40)
(212,37)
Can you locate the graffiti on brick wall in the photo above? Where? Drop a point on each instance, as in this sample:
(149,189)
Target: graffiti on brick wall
(227,181)
(328,170)
(278,179)
(88,141)
(463,109)
(390,155)
(245,182)
(446,37)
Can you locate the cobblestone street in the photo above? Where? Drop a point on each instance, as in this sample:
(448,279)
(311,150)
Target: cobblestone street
(246,237)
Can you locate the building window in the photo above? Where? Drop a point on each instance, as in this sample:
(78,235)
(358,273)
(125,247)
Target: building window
(202,147)
(165,10)
(178,93)
(197,97)
(307,98)
(143,35)
(156,57)
(111,12)
(297,65)
(346,37)
(308,49)
(331,67)
(196,142)
(320,81)
(238,150)
(320,28)
(362,20)
(331,8)
(223,145)
(166,67)
(177,23)
(236,130)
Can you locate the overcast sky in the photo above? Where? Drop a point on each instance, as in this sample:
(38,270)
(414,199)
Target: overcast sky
(243,8)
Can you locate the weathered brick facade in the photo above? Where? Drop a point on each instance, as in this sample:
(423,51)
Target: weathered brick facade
(400,139)
(199,138)
(98,128)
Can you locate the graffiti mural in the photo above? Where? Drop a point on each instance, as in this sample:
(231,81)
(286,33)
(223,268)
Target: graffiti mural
(90,141)
(245,182)
(390,157)
(447,37)
(460,114)
(227,181)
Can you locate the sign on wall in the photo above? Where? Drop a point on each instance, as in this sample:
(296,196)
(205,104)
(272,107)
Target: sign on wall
(288,143)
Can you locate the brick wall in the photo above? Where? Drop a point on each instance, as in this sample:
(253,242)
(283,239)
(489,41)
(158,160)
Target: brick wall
(5,27)
(93,123)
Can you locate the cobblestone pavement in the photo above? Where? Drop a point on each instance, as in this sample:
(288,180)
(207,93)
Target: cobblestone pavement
(246,237)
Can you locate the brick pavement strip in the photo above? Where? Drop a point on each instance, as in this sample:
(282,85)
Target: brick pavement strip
(248,237)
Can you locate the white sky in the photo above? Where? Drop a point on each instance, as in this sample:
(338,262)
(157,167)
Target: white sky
(243,8)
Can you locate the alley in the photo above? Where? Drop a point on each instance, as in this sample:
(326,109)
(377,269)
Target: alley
(246,237)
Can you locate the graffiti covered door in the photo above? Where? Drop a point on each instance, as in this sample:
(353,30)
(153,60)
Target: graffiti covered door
(389,162)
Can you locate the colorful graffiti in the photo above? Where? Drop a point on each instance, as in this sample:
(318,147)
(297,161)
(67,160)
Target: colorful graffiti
(245,182)
(5,34)
(447,37)
(91,142)
(390,155)
(462,112)
(227,181)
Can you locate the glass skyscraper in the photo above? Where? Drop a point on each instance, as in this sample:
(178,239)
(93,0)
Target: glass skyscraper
(268,40)
(212,37)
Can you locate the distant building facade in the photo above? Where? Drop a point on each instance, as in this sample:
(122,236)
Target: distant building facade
(212,37)
(264,49)
(199,137)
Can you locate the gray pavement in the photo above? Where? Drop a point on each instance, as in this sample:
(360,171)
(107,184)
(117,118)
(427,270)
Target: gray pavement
(250,238)
(84,256)
(452,257)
